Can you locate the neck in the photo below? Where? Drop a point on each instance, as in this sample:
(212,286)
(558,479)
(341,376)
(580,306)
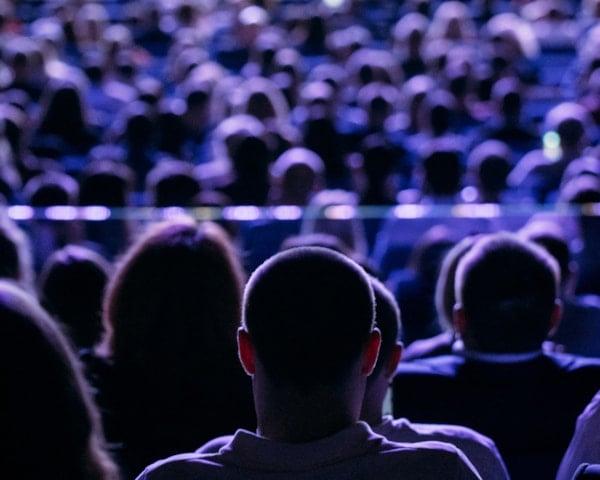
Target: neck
(372,411)
(297,416)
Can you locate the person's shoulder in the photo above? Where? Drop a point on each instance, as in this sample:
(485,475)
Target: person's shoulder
(428,458)
(442,365)
(574,363)
(480,449)
(448,433)
(182,467)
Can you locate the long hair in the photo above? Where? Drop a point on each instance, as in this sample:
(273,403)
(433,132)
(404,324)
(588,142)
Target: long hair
(171,313)
(49,421)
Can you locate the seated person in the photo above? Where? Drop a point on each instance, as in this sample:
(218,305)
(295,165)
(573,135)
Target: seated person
(584,444)
(308,387)
(502,384)
(45,398)
(579,329)
(480,450)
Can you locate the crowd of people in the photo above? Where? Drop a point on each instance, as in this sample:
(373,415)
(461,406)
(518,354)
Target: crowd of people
(413,343)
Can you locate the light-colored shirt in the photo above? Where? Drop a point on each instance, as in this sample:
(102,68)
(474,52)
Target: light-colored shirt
(585,444)
(478,448)
(352,454)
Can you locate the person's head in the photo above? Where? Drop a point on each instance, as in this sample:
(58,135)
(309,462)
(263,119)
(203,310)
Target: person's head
(442,171)
(445,297)
(387,320)
(295,176)
(171,182)
(175,295)
(51,188)
(506,294)
(489,164)
(308,322)
(45,400)
(71,285)
(330,208)
(550,235)
(571,121)
(16,262)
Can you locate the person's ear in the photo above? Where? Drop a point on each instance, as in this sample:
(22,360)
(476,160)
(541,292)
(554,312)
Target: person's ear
(246,351)
(371,352)
(393,360)
(460,322)
(557,311)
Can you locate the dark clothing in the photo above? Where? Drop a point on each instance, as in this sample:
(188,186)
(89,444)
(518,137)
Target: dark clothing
(148,419)
(527,405)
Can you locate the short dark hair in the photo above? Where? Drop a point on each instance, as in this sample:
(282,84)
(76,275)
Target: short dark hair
(387,320)
(309,312)
(507,287)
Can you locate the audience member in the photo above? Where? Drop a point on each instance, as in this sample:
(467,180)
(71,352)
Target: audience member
(480,450)
(295,176)
(566,135)
(502,383)
(488,167)
(172,182)
(448,340)
(71,287)
(333,212)
(16,262)
(583,447)
(413,285)
(438,175)
(64,131)
(507,121)
(50,423)
(50,189)
(167,372)
(308,388)
(107,183)
(579,192)
(579,328)
(250,159)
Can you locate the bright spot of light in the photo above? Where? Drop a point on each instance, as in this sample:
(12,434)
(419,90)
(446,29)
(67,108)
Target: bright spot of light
(333,3)
(96,213)
(173,213)
(287,212)
(242,213)
(339,212)
(551,143)
(479,210)
(59,212)
(409,211)
(469,194)
(20,212)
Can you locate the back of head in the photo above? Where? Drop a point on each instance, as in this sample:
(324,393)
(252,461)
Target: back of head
(309,312)
(570,120)
(51,188)
(106,182)
(445,297)
(175,301)
(172,183)
(507,288)
(387,319)
(490,164)
(443,171)
(332,211)
(15,254)
(550,235)
(45,400)
(71,286)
